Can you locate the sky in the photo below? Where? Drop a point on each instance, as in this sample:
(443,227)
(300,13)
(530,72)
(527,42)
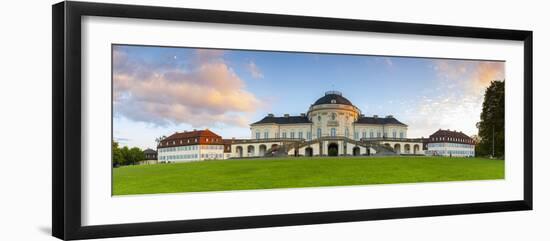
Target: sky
(162,90)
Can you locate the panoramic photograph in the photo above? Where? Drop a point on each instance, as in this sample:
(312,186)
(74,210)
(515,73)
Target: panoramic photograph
(199,120)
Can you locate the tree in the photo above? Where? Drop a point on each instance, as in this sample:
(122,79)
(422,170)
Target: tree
(491,126)
(125,155)
(136,155)
(117,157)
(159,139)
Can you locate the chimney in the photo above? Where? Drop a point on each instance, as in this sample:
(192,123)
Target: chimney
(287,115)
(389,116)
(270,115)
(303,114)
(375,116)
(361,115)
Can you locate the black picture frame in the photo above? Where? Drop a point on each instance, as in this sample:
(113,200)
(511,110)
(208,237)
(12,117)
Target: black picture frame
(66,127)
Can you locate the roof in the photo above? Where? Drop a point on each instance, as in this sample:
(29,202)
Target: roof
(283,120)
(196,137)
(449,133)
(149,151)
(190,134)
(379,121)
(333,97)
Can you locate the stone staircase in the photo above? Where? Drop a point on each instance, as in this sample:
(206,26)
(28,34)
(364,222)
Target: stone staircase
(286,147)
(381,150)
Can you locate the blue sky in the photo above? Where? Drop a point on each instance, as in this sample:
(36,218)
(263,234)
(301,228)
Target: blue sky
(161,90)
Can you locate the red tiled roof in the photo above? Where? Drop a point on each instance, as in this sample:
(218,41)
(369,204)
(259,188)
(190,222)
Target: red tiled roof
(196,137)
(450,136)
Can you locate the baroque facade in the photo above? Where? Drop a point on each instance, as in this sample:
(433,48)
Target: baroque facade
(332,126)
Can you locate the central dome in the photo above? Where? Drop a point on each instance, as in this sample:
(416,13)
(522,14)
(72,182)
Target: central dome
(333,97)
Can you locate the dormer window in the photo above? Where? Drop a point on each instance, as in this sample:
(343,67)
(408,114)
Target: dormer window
(333,101)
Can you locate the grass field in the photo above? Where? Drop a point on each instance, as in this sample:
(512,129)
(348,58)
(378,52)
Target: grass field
(245,174)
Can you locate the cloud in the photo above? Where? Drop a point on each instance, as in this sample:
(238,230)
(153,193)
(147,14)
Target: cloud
(254,70)
(459,90)
(205,93)
(471,75)
(389,62)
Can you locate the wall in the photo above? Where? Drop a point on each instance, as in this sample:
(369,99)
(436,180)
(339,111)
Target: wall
(25,99)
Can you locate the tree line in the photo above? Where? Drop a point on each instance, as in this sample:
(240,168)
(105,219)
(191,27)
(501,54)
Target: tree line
(126,156)
(491,126)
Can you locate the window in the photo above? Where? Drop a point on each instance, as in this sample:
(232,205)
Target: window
(308,135)
(257,135)
(356,135)
(346,132)
(332,131)
(266,135)
(394,134)
(284,134)
(378,134)
(300,135)
(371,134)
(292,135)
(401,135)
(318,132)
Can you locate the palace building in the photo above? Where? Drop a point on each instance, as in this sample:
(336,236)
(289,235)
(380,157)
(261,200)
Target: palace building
(332,126)
(194,145)
(450,143)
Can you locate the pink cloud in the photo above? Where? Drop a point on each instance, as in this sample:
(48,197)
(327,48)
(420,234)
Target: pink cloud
(206,94)
(461,86)
(473,76)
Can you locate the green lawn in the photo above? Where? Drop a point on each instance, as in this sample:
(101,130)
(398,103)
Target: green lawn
(292,172)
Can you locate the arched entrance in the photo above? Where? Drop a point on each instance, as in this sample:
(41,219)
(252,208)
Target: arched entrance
(397,148)
(356,151)
(263,148)
(250,150)
(333,149)
(309,151)
(239,151)
(416,149)
(407,148)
